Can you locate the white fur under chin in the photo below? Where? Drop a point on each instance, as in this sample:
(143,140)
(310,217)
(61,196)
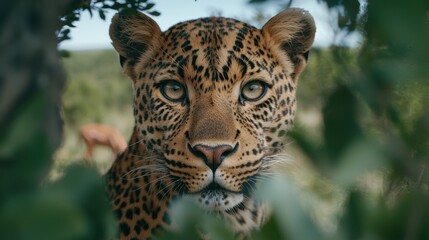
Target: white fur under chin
(217,200)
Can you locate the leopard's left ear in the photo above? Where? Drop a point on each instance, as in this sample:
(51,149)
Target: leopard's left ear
(291,32)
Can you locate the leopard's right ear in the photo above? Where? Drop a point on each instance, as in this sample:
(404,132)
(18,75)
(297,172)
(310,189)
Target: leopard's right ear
(291,33)
(136,37)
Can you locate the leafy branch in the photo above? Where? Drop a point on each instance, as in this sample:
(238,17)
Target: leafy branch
(76,7)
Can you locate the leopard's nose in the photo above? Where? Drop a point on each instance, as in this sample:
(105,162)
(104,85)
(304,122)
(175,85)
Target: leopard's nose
(213,155)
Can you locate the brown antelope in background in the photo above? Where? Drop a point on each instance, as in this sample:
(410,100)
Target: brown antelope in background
(98,134)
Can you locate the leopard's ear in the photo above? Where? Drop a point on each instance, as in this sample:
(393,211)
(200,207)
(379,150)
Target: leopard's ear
(292,33)
(136,37)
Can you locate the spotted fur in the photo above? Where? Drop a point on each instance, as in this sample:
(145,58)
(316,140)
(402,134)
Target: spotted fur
(214,144)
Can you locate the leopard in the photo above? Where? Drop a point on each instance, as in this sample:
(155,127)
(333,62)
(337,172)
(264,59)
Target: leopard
(214,99)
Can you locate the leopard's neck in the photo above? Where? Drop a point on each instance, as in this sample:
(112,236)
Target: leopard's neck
(140,193)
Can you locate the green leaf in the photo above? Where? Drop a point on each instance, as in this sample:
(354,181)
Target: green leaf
(340,121)
(148,6)
(102,15)
(154,13)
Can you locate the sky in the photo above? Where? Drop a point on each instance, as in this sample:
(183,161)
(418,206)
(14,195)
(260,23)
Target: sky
(92,33)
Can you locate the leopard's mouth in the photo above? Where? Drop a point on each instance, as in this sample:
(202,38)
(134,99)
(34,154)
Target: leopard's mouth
(215,197)
(213,188)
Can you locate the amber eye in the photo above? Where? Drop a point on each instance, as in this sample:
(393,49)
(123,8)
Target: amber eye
(253,91)
(173,91)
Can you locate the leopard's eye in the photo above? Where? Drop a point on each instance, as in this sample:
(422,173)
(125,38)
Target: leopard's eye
(173,91)
(253,91)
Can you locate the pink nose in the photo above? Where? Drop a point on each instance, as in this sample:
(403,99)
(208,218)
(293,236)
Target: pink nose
(212,156)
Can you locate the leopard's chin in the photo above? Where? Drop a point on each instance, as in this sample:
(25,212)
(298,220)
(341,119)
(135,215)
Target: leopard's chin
(216,198)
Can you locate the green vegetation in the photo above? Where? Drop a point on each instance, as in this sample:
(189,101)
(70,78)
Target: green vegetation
(31,82)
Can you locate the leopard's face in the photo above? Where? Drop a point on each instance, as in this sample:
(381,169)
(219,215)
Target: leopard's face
(213,98)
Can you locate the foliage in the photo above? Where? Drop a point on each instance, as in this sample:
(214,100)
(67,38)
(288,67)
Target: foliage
(73,208)
(31,81)
(77,7)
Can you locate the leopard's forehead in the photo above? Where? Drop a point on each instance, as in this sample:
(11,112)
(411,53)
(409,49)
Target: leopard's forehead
(216,49)
(211,29)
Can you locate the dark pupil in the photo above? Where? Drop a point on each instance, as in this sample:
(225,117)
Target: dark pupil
(174,87)
(174,90)
(253,87)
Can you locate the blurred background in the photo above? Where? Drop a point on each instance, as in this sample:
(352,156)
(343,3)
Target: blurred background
(359,149)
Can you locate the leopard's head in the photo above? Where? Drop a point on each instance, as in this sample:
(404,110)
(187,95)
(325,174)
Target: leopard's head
(214,97)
